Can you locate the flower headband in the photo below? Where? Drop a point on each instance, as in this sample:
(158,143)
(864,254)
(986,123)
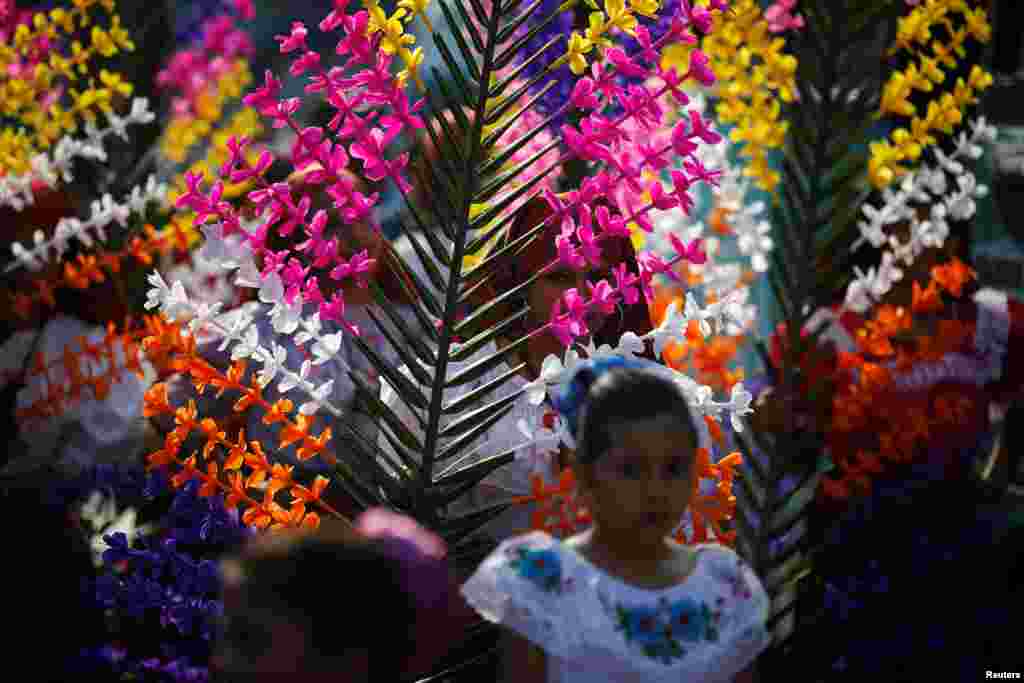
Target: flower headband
(573,395)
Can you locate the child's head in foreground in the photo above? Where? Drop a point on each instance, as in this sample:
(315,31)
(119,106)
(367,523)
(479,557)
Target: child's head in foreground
(635,446)
(328,605)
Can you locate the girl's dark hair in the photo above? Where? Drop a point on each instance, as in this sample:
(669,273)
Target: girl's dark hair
(601,399)
(335,582)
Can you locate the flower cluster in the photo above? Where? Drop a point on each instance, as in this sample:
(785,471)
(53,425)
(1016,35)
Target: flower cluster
(97,267)
(755,78)
(245,465)
(945,112)
(36,74)
(928,186)
(878,365)
(83,365)
(105,211)
(46,169)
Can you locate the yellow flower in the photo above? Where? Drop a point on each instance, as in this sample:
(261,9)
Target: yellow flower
(119,35)
(648,8)
(576,51)
(412,61)
(977,24)
(394,37)
(103,43)
(114,82)
(979,79)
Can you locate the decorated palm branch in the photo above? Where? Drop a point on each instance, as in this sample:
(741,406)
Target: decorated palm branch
(460,147)
(839,184)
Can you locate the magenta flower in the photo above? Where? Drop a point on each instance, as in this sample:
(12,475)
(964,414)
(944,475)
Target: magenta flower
(692,252)
(264,99)
(335,309)
(625,283)
(309,61)
(781,18)
(681,189)
(682,139)
(603,297)
(659,198)
(696,168)
(623,64)
(294,41)
(612,226)
(585,234)
(583,95)
(568,254)
(700,69)
(358,267)
(703,129)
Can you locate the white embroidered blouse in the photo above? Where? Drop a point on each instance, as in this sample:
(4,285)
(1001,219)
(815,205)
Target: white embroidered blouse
(595,628)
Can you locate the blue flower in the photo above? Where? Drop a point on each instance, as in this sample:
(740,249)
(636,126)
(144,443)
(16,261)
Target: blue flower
(541,567)
(689,619)
(643,625)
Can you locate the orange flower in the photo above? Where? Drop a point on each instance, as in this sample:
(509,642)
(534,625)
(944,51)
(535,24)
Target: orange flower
(237,494)
(292,432)
(237,453)
(718,220)
(311,521)
(278,412)
(926,301)
(257,460)
(953,276)
(155,402)
(168,454)
(716,430)
(282,474)
(249,397)
(285,519)
(210,485)
(313,445)
(187,473)
(310,495)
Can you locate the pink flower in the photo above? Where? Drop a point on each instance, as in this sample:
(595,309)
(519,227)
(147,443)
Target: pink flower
(613,226)
(680,188)
(781,18)
(294,41)
(700,69)
(335,310)
(358,267)
(568,254)
(696,168)
(603,297)
(308,61)
(585,233)
(661,200)
(583,94)
(265,99)
(623,64)
(702,129)
(682,140)
(673,82)
(625,283)
(692,252)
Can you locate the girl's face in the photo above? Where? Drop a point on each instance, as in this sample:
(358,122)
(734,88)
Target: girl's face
(642,484)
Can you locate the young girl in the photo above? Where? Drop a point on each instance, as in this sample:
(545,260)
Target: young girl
(621,602)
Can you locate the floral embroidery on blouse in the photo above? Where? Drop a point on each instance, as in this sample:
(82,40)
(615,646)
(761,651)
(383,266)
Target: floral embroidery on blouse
(543,568)
(659,632)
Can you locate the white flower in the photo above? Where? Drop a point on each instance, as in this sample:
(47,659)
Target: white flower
(248,345)
(204,313)
(285,317)
(740,400)
(326,348)
(668,330)
(695,312)
(291,380)
(318,396)
(858,299)
(311,329)
(272,363)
